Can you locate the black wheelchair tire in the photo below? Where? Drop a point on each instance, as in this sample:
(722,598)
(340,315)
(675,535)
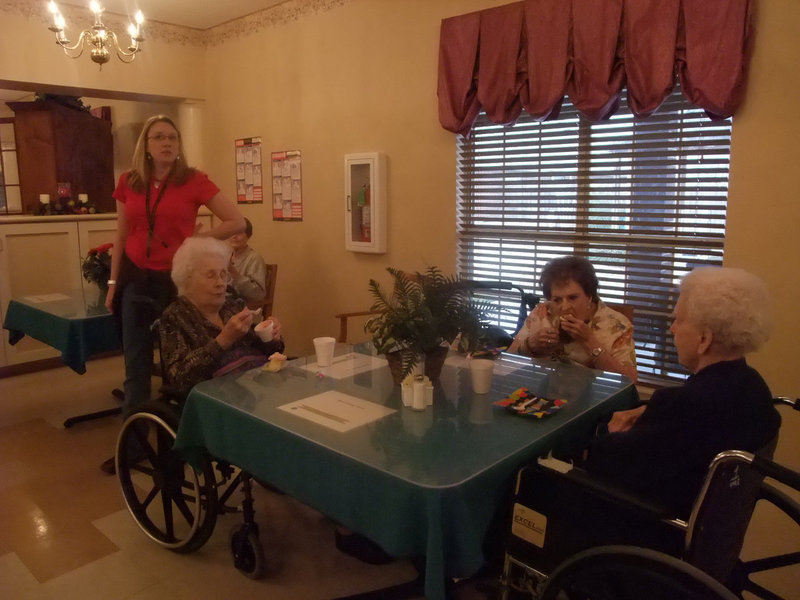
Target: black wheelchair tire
(628,573)
(162,477)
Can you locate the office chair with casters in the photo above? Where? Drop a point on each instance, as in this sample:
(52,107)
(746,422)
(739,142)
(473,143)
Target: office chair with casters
(503,292)
(496,294)
(175,502)
(559,511)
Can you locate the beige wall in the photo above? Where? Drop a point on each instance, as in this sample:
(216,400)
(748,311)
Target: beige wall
(764,198)
(359,78)
(362,77)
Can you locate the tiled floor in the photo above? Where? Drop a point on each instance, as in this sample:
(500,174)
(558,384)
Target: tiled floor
(65,533)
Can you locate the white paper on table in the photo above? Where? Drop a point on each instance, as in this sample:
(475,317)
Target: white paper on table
(46,298)
(348,365)
(337,411)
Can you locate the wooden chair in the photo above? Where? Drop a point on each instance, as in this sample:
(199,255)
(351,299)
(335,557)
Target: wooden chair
(624,309)
(269,285)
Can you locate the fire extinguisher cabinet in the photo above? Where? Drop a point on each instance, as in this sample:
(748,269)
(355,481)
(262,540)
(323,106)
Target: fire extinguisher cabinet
(365,202)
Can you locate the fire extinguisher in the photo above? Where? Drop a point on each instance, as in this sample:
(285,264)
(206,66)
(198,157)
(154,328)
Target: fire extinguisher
(365,216)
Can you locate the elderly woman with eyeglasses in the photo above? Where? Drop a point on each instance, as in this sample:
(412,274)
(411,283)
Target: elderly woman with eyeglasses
(204,333)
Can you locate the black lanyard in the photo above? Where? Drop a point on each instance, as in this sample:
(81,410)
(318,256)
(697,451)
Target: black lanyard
(151,214)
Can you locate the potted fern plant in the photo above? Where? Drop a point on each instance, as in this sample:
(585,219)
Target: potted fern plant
(422,316)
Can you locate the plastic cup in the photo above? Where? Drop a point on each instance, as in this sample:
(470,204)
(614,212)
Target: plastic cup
(264,330)
(324,347)
(481,370)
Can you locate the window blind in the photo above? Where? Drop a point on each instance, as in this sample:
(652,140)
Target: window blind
(644,200)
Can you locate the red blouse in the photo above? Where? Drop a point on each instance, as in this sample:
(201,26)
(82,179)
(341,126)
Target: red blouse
(175,218)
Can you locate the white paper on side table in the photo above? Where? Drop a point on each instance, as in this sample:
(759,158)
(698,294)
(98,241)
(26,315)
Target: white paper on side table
(348,365)
(337,411)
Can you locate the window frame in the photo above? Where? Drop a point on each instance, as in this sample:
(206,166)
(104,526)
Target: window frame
(644,199)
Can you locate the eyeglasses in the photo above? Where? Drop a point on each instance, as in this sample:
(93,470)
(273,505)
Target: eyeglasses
(160,137)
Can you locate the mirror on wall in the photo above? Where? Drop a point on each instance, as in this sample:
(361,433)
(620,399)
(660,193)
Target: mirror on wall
(126,117)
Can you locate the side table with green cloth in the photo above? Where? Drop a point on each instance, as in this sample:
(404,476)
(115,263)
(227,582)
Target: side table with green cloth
(418,483)
(77,325)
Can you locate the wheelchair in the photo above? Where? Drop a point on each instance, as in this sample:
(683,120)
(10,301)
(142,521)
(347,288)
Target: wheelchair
(575,537)
(176,504)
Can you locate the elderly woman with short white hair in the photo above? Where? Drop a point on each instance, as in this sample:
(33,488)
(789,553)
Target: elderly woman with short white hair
(663,448)
(204,333)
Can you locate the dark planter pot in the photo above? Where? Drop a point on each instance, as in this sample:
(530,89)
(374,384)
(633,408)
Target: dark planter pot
(434,361)
(395,360)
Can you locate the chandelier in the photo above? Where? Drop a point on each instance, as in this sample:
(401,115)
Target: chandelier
(102,40)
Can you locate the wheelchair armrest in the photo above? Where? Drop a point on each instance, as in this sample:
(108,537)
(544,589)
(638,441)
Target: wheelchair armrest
(780,500)
(776,471)
(616,493)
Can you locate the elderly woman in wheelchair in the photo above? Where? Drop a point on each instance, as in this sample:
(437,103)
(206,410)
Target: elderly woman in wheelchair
(203,334)
(646,479)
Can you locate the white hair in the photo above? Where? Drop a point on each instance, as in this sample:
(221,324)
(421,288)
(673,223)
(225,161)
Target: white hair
(732,303)
(190,251)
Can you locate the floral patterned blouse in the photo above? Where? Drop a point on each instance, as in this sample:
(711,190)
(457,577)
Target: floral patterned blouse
(613,330)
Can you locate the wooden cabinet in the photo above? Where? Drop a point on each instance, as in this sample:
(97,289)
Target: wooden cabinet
(55,144)
(365,202)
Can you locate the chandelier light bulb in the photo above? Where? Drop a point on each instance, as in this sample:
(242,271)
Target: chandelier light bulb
(101,40)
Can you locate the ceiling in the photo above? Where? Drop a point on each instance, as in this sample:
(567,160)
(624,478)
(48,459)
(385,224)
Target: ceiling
(200,14)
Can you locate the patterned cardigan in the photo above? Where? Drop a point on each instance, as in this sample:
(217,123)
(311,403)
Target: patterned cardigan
(190,352)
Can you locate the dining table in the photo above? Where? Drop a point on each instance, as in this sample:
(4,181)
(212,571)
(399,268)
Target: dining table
(74,322)
(423,484)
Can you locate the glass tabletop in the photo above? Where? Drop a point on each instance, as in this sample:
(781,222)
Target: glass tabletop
(459,436)
(73,304)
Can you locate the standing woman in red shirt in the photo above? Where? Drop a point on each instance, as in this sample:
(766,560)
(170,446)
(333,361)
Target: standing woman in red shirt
(157,204)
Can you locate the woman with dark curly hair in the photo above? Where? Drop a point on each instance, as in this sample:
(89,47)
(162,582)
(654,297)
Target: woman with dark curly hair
(575,324)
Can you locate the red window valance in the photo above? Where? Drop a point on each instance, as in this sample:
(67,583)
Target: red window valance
(529,54)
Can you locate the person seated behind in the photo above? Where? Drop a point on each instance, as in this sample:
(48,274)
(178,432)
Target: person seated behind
(574,323)
(203,333)
(663,448)
(247,269)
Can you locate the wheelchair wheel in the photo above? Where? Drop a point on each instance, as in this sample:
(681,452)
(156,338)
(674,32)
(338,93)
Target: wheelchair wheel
(248,554)
(631,573)
(175,504)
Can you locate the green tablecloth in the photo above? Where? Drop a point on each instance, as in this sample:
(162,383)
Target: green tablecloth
(418,483)
(77,325)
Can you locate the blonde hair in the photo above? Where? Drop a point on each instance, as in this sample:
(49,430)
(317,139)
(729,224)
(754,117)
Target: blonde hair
(732,303)
(142,168)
